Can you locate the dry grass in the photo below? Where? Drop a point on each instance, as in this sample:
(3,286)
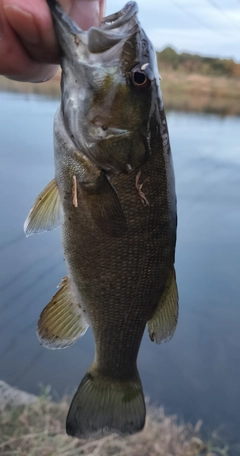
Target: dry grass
(193,92)
(39,430)
(181,91)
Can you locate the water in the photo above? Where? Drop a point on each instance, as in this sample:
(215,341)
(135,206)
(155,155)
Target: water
(197,374)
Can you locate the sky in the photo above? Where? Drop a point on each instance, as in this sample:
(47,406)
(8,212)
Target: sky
(205,27)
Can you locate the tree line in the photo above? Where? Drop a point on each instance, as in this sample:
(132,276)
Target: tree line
(169,59)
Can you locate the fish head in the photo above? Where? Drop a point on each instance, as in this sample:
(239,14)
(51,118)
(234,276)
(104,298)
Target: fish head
(110,87)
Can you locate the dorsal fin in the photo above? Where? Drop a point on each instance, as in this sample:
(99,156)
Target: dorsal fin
(164,321)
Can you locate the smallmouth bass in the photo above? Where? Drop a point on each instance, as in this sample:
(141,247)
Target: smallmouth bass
(114,196)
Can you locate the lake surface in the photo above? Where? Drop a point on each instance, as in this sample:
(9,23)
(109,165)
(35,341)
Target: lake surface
(197,374)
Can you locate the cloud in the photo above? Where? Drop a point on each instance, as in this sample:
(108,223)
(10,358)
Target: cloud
(194,26)
(204,42)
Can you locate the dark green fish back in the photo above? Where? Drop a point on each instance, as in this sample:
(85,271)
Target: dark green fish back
(121,279)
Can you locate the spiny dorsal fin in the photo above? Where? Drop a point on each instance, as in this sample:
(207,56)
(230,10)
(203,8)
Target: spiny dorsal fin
(163,323)
(46,213)
(61,322)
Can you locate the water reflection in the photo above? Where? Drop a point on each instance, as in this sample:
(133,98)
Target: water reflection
(197,374)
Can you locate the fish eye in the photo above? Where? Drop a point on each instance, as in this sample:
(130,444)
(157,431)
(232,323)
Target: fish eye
(139,78)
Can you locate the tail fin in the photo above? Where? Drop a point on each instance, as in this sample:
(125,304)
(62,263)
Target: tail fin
(106,405)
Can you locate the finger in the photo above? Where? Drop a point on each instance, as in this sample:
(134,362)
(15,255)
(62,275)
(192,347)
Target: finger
(86,13)
(33,24)
(14,59)
(29,37)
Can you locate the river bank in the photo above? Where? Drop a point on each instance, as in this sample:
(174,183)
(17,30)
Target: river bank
(36,425)
(181,91)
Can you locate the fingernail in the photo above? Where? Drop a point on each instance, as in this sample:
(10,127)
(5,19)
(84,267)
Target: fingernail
(102,10)
(85,13)
(23,23)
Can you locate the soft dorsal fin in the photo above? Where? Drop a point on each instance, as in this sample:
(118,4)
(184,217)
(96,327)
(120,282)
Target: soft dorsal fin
(61,322)
(164,321)
(46,213)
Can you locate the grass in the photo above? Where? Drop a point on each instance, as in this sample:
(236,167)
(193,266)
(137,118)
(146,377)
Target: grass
(39,430)
(181,91)
(199,93)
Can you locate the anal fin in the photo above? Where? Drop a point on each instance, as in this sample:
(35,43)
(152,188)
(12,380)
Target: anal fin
(61,322)
(164,321)
(46,213)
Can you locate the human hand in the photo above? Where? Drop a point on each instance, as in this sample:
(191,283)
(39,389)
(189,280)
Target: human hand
(28,47)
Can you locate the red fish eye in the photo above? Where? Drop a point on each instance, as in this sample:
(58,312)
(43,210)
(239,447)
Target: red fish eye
(139,79)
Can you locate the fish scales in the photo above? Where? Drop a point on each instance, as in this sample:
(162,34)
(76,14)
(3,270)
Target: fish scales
(114,195)
(123,276)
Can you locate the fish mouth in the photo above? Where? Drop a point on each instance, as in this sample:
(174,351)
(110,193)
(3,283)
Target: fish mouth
(113,29)
(121,17)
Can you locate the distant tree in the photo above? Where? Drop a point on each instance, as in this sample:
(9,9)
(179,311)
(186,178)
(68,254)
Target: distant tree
(168,58)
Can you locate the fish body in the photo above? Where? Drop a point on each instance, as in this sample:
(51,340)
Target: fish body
(114,195)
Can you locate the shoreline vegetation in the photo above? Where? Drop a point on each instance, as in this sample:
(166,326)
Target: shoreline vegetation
(189,83)
(38,429)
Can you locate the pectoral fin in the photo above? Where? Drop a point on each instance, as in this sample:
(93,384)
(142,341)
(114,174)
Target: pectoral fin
(46,213)
(104,206)
(163,323)
(62,321)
